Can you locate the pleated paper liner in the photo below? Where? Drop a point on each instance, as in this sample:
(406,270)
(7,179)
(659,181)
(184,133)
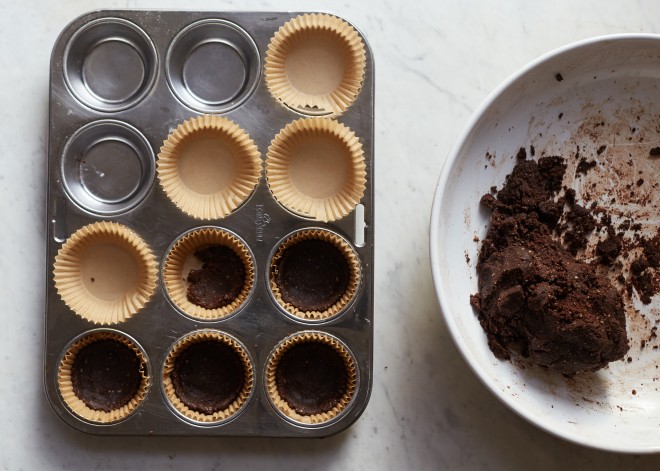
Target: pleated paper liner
(181,259)
(315,167)
(217,416)
(79,405)
(343,300)
(105,272)
(315,64)
(274,384)
(208,166)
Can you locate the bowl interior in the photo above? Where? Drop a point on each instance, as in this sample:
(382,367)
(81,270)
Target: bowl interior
(597,92)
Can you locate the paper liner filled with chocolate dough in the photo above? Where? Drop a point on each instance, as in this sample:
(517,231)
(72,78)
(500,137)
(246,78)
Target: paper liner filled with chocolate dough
(209,273)
(311,377)
(105,272)
(535,298)
(208,377)
(316,168)
(314,274)
(103,377)
(315,64)
(208,166)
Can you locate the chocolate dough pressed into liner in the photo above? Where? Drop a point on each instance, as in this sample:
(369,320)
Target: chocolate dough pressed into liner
(311,377)
(312,274)
(208,376)
(220,279)
(534,297)
(106,375)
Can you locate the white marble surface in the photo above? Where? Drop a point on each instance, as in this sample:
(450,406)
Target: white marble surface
(435,62)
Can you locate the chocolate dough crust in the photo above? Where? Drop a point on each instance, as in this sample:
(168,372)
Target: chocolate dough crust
(106,375)
(311,377)
(535,299)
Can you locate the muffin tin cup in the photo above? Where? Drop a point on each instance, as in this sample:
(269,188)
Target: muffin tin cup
(181,259)
(316,168)
(286,408)
(203,49)
(352,265)
(78,405)
(110,64)
(208,166)
(105,273)
(315,64)
(142,207)
(108,167)
(188,412)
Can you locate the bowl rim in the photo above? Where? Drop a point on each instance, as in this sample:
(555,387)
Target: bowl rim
(440,288)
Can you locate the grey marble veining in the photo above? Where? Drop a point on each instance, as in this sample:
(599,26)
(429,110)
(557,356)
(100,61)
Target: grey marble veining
(436,61)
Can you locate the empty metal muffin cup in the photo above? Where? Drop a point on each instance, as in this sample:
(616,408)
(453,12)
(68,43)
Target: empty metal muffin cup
(110,64)
(212,66)
(107,167)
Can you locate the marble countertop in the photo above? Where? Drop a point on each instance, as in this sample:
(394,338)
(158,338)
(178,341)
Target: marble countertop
(435,63)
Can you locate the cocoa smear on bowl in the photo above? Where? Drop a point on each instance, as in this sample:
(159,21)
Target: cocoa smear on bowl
(594,218)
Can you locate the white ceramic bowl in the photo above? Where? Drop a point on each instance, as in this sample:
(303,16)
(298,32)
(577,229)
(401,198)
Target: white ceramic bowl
(616,79)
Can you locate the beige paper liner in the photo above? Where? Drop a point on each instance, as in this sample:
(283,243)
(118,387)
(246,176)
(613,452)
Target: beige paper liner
(353,267)
(299,64)
(237,155)
(271,374)
(175,266)
(168,386)
(315,167)
(77,406)
(99,292)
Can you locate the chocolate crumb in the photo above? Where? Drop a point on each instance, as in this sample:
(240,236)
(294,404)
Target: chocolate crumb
(654,152)
(559,77)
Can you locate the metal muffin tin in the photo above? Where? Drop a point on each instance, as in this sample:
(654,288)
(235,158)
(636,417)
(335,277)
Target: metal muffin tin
(120,81)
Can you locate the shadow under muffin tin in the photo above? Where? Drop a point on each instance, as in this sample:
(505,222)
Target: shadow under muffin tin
(123,81)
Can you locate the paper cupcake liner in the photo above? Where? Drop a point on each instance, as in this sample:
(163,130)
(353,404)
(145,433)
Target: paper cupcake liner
(197,198)
(174,274)
(76,404)
(317,37)
(271,377)
(219,416)
(316,168)
(353,282)
(88,277)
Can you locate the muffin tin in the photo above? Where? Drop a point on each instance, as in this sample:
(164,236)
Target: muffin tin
(121,83)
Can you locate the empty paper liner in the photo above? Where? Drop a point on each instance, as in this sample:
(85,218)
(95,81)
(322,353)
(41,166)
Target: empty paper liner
(209,273)
(311,378)
(208,166)
(208,377)
(315,168)
(103,377)
(315,64)
(105,272)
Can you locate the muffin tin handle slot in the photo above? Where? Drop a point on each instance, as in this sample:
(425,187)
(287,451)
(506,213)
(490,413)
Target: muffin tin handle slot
(59,220)
(360,226)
